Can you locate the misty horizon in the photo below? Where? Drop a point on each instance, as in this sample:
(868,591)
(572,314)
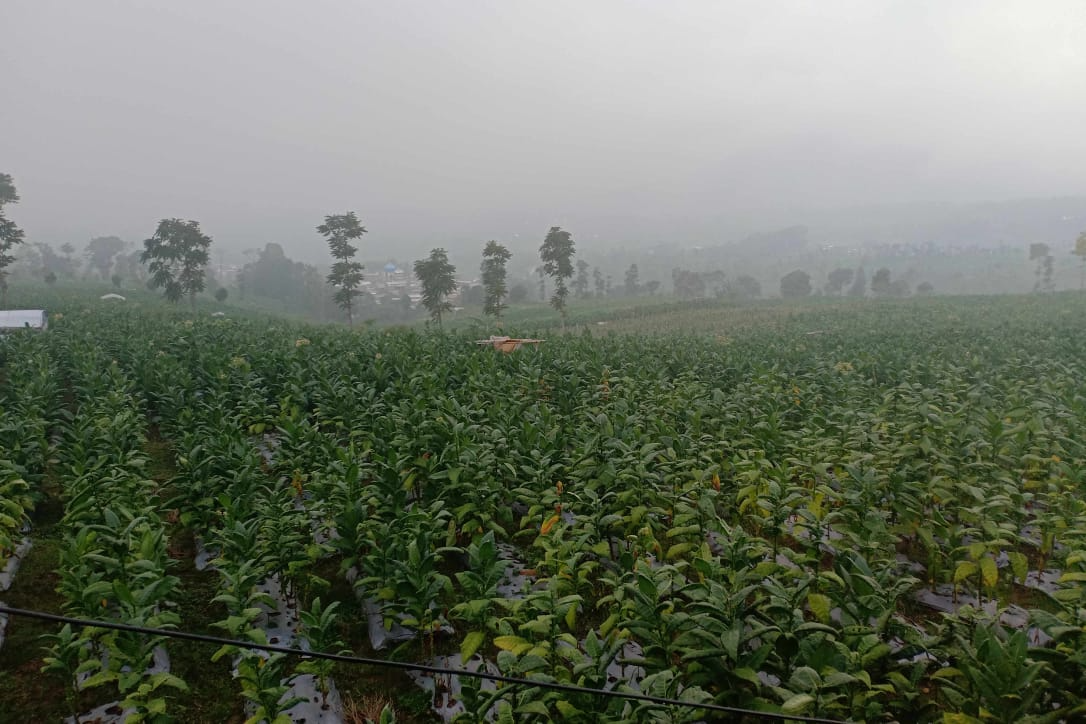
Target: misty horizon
(627,123)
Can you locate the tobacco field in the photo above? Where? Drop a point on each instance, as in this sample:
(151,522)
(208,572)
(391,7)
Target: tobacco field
(871,512)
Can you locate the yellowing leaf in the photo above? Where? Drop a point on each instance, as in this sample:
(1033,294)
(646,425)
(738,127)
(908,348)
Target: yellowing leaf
(549,523)
(989,573)
(1019,565)
(512,643)
(964,570)
(820,606)
(677,550)
(471,644)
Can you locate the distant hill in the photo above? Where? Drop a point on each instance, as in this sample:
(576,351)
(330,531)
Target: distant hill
(1055,221)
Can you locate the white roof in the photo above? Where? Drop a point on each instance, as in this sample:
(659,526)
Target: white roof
(20,318)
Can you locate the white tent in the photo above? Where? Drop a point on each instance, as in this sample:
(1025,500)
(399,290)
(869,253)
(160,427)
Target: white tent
(23,319)
(111,295)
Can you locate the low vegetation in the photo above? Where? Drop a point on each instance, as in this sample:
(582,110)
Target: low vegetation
(860,510)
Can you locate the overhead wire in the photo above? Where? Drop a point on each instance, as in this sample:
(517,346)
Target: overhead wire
(408,666)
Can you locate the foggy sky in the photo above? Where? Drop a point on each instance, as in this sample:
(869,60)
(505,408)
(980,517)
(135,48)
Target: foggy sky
(449,123)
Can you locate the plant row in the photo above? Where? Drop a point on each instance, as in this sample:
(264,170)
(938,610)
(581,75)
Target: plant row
(113,563)
(750,521)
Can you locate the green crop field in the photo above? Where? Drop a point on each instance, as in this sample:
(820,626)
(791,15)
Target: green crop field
(867,511)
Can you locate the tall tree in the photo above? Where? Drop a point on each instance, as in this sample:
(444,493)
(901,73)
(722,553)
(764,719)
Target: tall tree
(100,252)
(633,282)
(176,256)
(556,252)
(438,280)
(495,257)
(346,275)
(10,234)
(597,281)
(542,284)
(580,282)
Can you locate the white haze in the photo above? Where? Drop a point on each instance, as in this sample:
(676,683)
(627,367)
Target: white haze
(449,123)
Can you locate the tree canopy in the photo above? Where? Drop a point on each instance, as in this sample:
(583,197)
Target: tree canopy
(10,234)
(495,257)
(176,257)
(796,284)
(556,253)
(838,279)
(100,253)
(272,274)
(346,275)
(883,285)
(438,280)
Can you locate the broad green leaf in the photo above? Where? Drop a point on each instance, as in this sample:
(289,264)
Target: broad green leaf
(534,707)
(566,709)
(797,704)
(804,679)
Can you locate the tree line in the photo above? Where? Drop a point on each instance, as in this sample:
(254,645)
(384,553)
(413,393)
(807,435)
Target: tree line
(437,275)
(175,259)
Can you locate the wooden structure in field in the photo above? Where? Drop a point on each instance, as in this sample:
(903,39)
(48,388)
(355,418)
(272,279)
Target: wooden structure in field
(508,344)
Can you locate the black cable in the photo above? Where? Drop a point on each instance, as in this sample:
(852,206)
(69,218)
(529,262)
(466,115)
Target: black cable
(569,688)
